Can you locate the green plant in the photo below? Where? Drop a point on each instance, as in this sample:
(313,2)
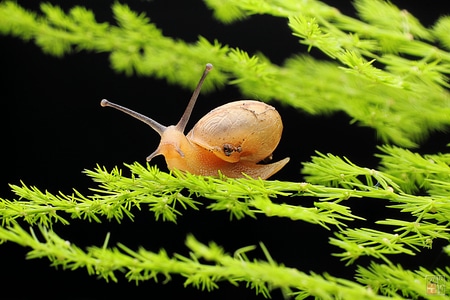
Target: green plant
(394,71)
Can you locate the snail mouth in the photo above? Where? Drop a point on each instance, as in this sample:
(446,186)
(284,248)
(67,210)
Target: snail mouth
(167,150)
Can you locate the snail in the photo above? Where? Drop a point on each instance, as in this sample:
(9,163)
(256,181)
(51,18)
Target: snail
(232,138)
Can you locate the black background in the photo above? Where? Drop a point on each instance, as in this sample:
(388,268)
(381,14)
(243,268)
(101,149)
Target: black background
(53,128)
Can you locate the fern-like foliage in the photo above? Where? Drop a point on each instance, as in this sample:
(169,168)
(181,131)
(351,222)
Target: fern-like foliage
(332,181)
(402,98)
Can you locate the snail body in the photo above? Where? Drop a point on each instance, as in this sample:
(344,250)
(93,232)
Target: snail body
(231,138)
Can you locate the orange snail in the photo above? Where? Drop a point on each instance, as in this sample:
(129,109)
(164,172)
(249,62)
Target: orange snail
(232,138)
